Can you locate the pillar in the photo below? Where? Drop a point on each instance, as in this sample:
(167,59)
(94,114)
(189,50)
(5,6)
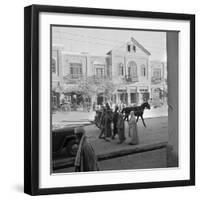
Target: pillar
(172,67)
(128,97)
(140,98)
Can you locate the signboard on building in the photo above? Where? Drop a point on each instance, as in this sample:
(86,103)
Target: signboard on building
(133,90)
(143,89)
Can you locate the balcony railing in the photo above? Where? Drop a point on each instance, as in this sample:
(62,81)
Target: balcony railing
(72,78)
(131,79)
(156,80)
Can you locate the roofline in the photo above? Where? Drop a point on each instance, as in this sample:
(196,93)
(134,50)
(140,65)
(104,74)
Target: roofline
(140,46)
(136,43)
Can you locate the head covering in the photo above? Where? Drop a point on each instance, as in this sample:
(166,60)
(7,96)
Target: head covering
(107,106)
(116,108)
(79,131)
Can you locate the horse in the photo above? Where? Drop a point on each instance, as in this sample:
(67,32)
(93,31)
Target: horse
(138,111)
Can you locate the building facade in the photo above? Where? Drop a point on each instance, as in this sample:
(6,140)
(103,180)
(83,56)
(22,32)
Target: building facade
(130,72)
(134,78)
(158,82)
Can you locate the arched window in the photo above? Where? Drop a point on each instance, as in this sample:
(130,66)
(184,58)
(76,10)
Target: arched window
(120,69)
(132,69)
(143,70)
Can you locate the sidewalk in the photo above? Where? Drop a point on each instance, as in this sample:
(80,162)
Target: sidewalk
(156,132)
(152,137)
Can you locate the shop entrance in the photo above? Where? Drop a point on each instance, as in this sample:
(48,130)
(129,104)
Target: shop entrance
(134,98)
(145,96)
(123,98)
(100,99)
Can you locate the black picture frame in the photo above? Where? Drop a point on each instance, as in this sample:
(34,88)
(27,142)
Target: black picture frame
(31,98)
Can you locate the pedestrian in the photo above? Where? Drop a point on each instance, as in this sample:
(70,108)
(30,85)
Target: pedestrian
(86,159)
(115,118)
(120,128)
(108,121)
(133,130)
(102,123)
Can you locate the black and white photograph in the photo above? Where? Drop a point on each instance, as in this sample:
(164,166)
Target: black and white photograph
(109,99)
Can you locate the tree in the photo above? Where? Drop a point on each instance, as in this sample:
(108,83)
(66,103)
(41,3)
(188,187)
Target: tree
(91,86)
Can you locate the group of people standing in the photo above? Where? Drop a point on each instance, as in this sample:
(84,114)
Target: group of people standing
(108,117)
(86,159)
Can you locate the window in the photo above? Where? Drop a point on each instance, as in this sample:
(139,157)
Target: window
(99,69)
(132,69)
(53,66)
(134,48)
(75,70)
(143,70)
(100,72)
(128,47)
(54,101)
(129,71)
(157,73)
(120,69)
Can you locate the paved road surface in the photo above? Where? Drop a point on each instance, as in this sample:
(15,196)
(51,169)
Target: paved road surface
(156,131)
(60,119)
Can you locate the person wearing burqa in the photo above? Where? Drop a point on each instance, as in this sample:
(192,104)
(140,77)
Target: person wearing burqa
(120,128)
(86,159)
(102,124)
(115,118)
(133,130)
(108,121)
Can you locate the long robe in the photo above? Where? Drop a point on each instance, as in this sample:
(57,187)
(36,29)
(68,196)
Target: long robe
(115,119)
(108,120)
(120,128)
(85,159)
(133,130)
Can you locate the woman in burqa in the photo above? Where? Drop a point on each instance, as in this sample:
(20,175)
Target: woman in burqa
(108,121)
(133,130)
(120,128)
(86,159)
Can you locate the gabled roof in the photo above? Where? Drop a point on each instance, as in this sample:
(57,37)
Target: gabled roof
(133,40)
(140,46)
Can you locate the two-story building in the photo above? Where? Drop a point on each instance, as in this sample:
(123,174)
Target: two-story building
(130,72)
(135,78)
(158,81)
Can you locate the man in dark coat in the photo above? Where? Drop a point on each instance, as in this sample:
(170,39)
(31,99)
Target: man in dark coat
(102,124)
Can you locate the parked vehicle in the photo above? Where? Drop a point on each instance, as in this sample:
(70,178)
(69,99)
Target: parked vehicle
(63,140)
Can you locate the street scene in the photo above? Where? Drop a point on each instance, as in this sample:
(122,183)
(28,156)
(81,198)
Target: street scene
(109,105)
